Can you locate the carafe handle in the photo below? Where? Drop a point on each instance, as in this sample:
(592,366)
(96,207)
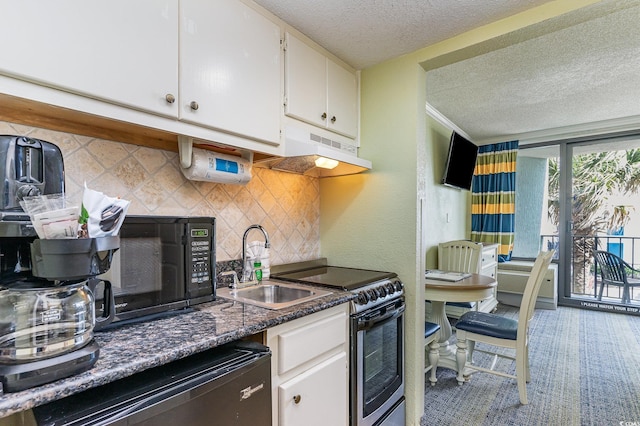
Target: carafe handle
(109,311)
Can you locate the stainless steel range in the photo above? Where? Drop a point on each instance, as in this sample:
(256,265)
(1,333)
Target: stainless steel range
(377,343)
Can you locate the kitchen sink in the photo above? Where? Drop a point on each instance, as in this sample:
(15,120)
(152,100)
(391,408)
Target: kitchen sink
(272,294)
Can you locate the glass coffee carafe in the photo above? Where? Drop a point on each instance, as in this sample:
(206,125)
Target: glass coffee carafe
(38,321)
(47,308)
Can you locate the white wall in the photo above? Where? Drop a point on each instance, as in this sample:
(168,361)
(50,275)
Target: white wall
(391,217)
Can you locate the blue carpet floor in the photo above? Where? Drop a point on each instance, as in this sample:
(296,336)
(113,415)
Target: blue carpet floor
(585,370)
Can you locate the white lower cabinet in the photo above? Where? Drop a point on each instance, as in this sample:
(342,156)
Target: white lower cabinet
(310,369)
(316,397)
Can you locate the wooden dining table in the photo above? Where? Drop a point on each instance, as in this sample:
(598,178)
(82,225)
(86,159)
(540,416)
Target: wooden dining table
(471,289)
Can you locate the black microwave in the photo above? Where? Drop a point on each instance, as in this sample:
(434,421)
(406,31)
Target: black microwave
(163,264)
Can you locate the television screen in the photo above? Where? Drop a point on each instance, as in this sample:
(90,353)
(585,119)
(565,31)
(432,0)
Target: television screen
(461,162)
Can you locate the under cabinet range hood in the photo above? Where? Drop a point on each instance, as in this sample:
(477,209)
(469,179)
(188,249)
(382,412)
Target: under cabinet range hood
(307,152)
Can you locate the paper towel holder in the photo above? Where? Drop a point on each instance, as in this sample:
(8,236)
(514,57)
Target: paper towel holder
(185,149)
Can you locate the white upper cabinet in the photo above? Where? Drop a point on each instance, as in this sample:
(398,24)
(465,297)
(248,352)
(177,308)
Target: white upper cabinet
(121,51)
(305,82)
(230,69)
(318,90)
(342,100)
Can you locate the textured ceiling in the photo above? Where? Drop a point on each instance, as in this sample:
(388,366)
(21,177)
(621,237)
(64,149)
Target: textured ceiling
(366,32)
(582,67)
(588,72)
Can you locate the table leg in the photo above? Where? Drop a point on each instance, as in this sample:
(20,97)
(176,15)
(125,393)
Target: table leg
(447,357)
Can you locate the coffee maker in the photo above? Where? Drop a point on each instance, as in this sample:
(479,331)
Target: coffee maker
(47,304)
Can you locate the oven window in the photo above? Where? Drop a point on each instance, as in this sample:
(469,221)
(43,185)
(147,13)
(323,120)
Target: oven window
(382,364)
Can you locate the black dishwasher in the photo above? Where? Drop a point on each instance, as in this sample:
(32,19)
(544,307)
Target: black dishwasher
(228,385)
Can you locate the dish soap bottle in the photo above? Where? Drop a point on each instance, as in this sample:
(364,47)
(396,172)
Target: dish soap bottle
(257,269)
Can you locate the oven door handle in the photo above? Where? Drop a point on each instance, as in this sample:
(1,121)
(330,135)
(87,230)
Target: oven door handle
(365,325)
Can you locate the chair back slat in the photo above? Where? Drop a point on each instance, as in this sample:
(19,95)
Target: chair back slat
(460,256)
(532,288)
(612,268)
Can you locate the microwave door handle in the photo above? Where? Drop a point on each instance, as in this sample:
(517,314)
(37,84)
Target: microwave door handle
(369,324)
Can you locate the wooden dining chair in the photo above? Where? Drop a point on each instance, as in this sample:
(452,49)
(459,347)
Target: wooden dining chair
(460,256)
(496,330)
(615,271)
(432,349)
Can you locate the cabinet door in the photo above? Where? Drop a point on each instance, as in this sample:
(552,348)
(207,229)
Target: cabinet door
(319,396)
(230,69)
(305,82)
(120,51)
(342,98)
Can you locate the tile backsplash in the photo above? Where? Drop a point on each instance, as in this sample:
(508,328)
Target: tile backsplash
(285,204)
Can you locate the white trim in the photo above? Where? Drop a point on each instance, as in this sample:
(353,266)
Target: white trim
(574,131)
(440,118)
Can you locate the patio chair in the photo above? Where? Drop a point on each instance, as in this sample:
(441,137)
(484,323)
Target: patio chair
(615,271)
(497,330)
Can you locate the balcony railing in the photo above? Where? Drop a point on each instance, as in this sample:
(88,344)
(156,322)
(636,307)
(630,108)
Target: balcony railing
(585,276)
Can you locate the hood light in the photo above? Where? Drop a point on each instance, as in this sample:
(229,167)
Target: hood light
(326,163)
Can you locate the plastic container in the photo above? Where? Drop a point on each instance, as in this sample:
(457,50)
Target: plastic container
(257,269)
(65,259)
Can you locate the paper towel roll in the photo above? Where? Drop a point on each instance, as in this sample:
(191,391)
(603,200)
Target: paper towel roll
(209,166)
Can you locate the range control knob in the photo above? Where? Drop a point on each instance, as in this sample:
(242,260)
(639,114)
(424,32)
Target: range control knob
(362,298)
(373,295)
(390,288)
(27,191)
(398,285)
(382,291)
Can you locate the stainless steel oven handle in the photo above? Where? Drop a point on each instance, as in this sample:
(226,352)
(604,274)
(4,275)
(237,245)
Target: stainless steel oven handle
(364,325)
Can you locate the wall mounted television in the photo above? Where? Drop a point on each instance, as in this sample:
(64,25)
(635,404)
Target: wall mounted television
(461,162)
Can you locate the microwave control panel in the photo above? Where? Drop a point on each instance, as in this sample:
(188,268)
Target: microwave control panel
(200,261)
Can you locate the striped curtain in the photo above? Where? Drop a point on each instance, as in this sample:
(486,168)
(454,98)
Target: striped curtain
(493,197)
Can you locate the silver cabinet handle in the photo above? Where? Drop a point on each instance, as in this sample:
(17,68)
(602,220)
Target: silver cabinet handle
(194,105)
(170,98)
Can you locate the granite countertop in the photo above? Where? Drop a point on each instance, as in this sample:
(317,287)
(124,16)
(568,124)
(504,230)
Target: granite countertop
(136,347)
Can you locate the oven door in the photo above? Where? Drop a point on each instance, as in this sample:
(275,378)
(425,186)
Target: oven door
(377,376)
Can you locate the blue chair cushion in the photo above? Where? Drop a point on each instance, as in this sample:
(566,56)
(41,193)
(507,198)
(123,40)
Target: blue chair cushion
(468,305)
(488,325)
(430,328)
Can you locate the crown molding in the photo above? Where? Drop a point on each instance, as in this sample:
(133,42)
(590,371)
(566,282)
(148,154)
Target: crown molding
(577,131)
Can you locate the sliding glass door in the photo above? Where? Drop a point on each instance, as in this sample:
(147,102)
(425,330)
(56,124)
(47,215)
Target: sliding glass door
(581,196)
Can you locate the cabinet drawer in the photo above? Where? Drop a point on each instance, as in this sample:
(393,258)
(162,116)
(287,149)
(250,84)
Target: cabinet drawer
(310,341)
(489,271)
(489,257)
(316,397)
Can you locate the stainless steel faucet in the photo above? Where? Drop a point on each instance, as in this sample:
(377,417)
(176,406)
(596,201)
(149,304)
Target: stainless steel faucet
(248,272)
